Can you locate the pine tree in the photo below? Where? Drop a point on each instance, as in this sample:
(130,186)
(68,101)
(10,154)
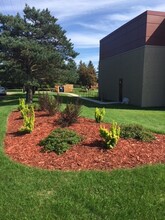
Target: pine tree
(37,44)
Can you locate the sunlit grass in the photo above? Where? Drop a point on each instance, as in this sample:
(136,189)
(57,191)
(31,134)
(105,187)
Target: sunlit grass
(34,194)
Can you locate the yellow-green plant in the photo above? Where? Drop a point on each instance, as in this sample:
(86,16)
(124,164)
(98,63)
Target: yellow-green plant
(99,114)
(110,136)
(21,104)
(28,119)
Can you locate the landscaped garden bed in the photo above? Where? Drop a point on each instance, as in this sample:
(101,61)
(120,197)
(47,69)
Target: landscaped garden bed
(89,154)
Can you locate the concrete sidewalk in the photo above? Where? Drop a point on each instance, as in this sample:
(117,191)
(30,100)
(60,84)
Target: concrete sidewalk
(93,100)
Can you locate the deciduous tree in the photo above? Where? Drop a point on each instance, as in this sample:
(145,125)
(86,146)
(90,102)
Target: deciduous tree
(87,74)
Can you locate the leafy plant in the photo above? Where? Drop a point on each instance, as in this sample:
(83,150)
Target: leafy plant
(60,140)
(99,114)
(35,106)
(137,132)
(70,114)
(42,101)
(53,105)
(48,103)
(110,136)
(28,119)
(21,104)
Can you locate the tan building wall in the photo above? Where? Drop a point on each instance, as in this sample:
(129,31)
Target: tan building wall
(143,73)
(66,88)
(154,76)
(127,66)
(135,55)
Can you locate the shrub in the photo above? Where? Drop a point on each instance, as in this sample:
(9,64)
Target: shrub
(48,103)
(21,104)
(110,136)
(99,114)
(70,114)
(60,140)
(42,101)
(53,105)
(28,119)
(35,106)
(137,132)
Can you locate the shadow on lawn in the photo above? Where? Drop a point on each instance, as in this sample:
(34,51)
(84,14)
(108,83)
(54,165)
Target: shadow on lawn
(67,99)
(11,99)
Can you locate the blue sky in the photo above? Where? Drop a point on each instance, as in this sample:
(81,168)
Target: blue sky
(87,21)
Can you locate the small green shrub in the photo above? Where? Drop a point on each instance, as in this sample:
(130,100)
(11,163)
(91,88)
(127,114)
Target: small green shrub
(70,114)
(48,103)
(60,140)
(35,106)
(137,132)
(28,119)
(99,114)
(110,136)
(53,105)
(42,101)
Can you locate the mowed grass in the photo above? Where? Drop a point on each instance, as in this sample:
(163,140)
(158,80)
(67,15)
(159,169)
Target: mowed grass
(34,194)
(83,92)
(151,118)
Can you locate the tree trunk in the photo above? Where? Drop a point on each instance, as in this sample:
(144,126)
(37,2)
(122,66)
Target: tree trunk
(29,95)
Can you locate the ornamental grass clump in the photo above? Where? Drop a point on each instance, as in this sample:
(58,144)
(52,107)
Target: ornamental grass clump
(50,104)
(70,114)
(60,140)
(99,114)
(110,136)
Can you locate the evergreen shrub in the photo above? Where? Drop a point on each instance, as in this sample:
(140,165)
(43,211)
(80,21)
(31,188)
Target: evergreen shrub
(60,140)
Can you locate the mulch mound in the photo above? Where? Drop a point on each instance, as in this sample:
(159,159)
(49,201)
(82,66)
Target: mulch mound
(88,155)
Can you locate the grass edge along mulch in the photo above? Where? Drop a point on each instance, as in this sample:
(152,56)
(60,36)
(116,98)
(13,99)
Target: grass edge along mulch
(29,193)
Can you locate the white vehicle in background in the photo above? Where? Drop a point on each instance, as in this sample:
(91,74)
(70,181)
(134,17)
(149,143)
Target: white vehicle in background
(2,91)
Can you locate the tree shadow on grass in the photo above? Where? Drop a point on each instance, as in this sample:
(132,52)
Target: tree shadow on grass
(10,100)
(67,99)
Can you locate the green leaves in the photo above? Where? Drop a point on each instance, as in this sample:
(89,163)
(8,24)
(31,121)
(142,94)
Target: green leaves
(99,114)
(28,115)
(35,40)
(87,74)
(110,136)
(137,132)
(60,140)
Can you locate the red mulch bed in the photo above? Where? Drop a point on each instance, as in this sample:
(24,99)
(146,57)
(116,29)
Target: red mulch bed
(88,155)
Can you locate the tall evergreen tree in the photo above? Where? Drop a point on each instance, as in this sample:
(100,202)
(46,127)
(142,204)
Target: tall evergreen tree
(35,43)
(69,74)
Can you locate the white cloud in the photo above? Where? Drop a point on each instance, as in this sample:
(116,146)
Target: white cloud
(87,57)
(160,7)
(111,21)
(104,16)
(63,9)
(87,40)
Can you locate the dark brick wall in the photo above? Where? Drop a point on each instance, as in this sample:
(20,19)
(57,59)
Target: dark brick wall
(146,29)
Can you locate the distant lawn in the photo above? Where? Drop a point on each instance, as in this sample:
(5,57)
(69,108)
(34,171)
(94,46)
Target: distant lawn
(34,194)
(151,118)
(86,93)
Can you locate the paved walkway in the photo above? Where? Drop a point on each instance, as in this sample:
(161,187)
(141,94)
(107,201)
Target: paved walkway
(93,100)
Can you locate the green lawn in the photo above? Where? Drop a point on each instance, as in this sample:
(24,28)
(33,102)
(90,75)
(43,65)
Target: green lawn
(86,93)
(34,194)
(151,118)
